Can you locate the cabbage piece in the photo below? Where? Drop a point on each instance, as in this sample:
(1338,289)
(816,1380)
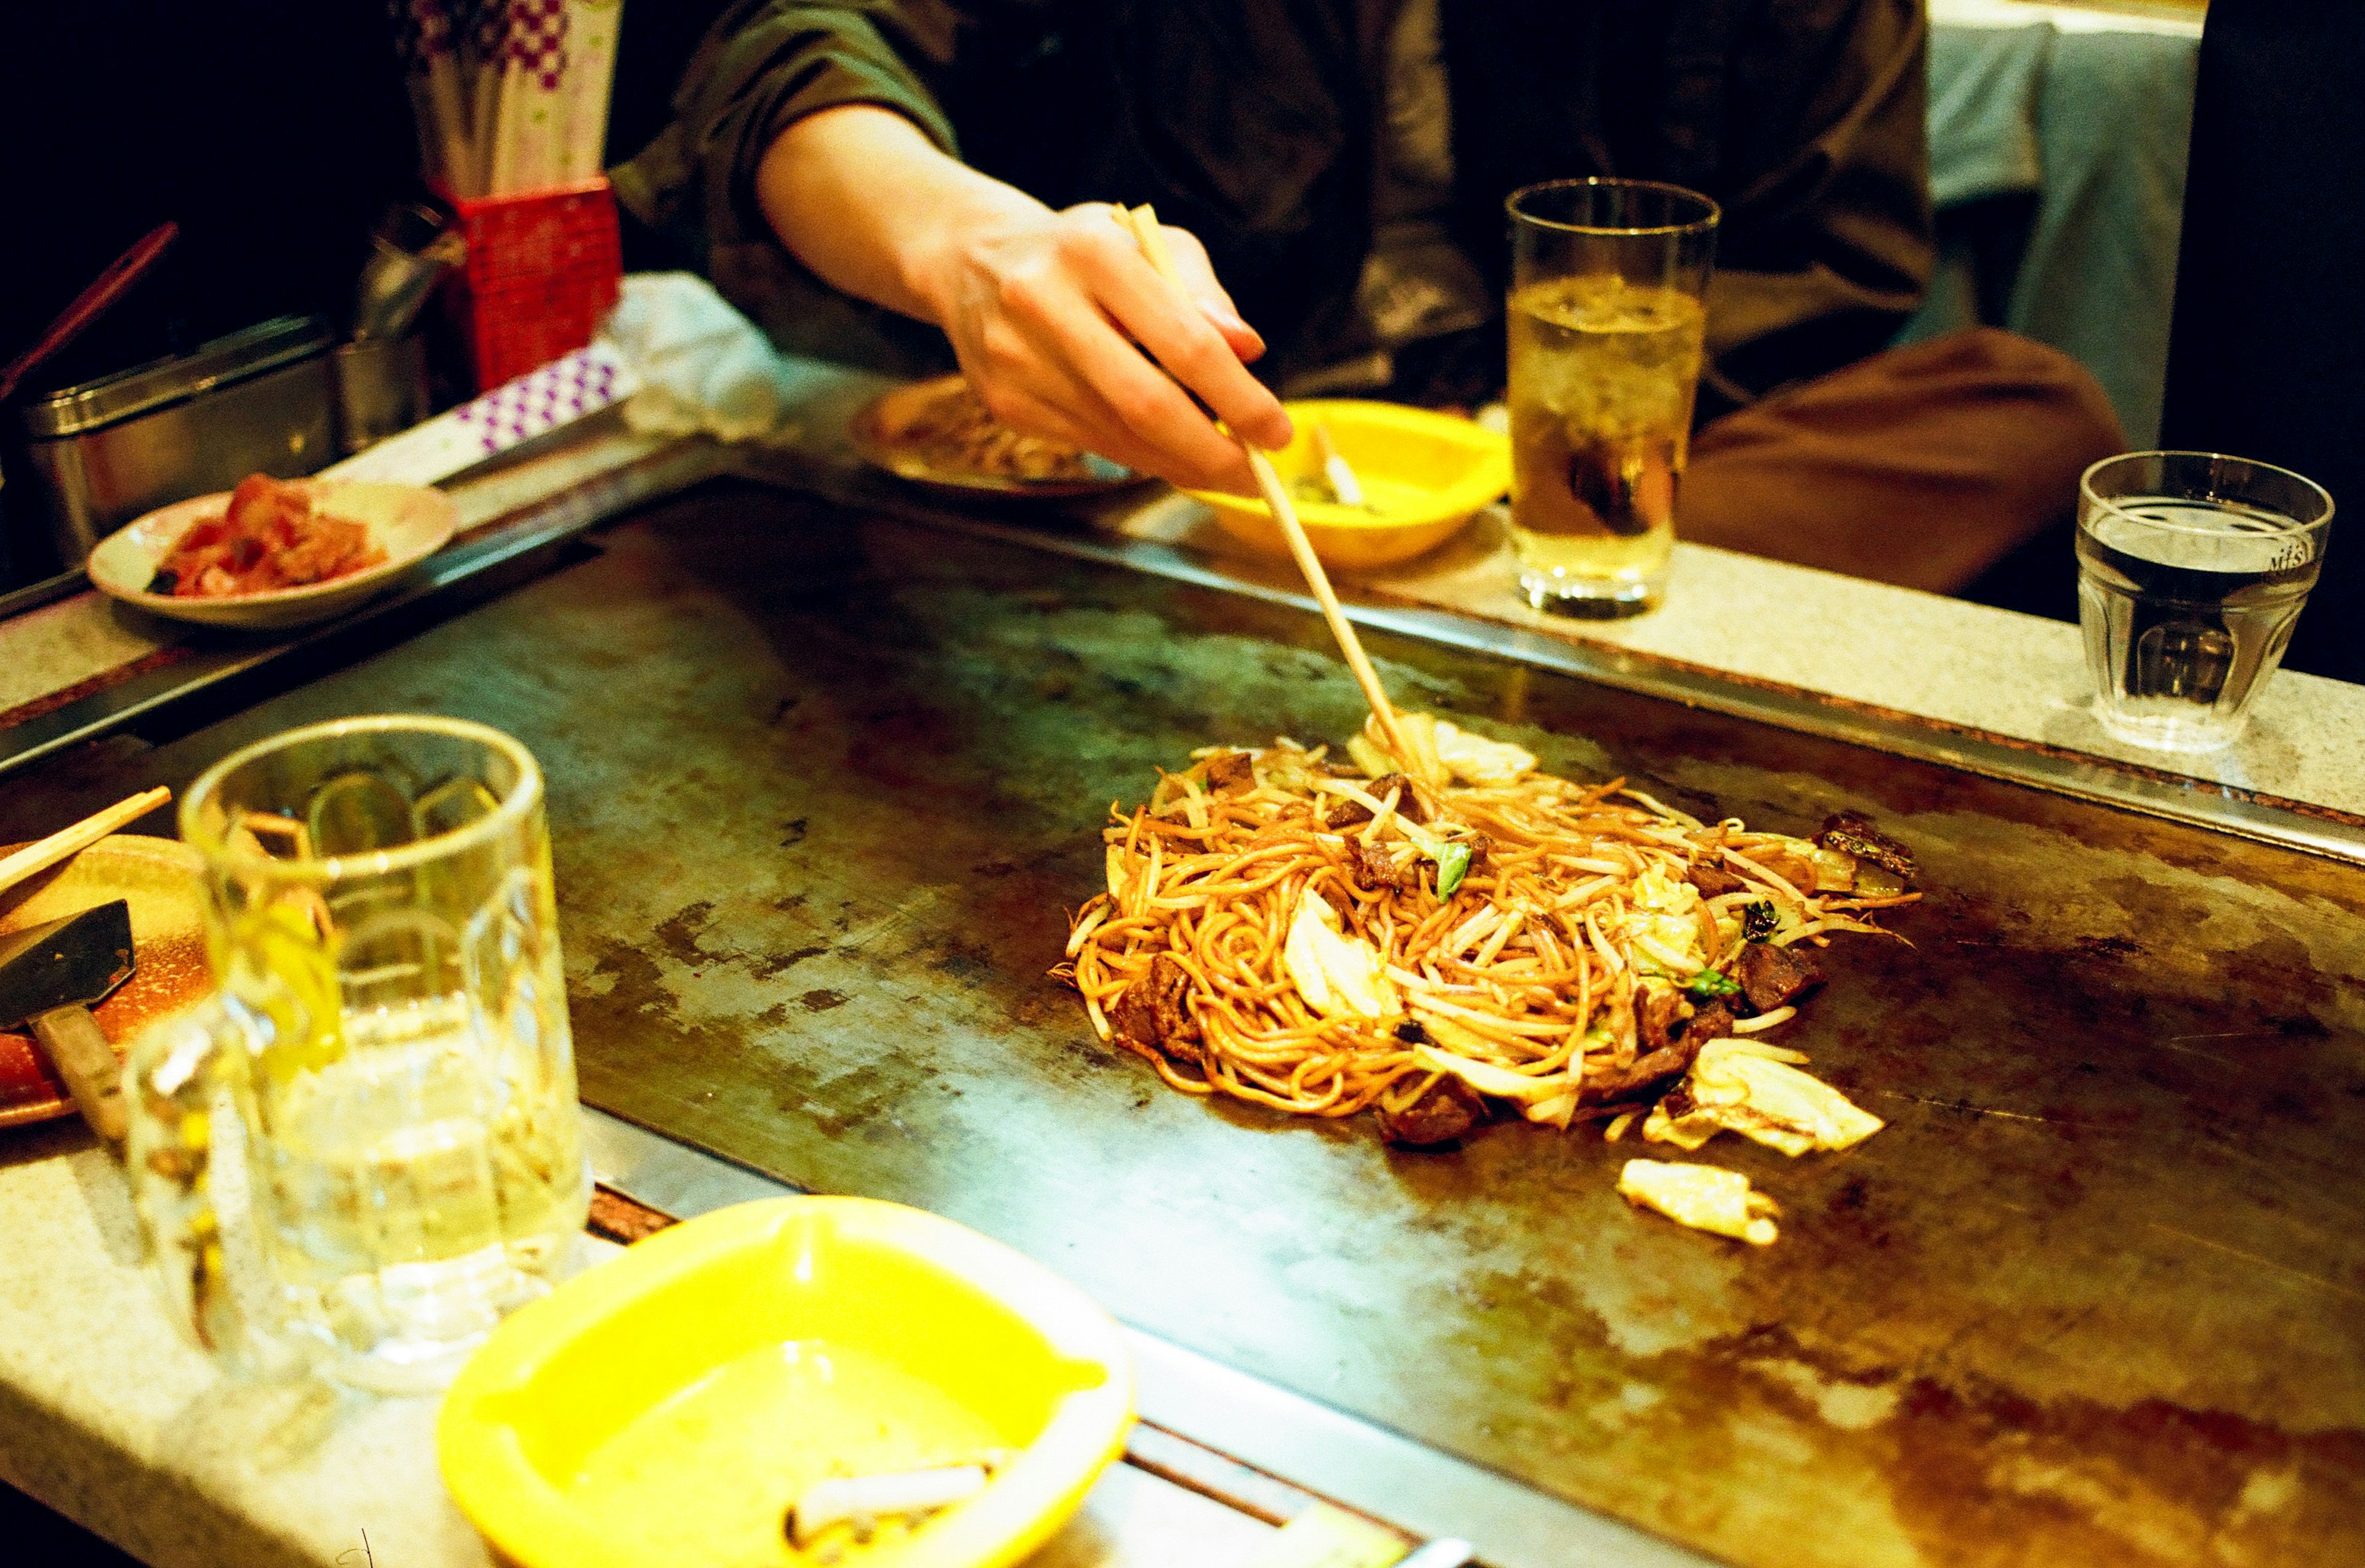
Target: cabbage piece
(1663,928)
(1338,975)
(1744,1086)
(1475,760)
(1499,1082)
(1374,762)
(1701,1196)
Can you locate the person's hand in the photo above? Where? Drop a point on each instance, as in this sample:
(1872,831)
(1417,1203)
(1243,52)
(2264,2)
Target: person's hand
(1057,318)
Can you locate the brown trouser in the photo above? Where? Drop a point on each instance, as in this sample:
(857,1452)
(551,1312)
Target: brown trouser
(1920,466)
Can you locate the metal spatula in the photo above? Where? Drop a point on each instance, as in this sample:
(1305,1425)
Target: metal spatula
(50,977)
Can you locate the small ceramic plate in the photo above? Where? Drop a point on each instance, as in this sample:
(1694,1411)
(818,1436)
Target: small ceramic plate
(410,522)
(881,436)
(163,879)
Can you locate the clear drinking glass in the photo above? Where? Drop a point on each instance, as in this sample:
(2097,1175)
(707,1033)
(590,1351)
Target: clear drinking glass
(367,1147)
(2192,568)
(1607,321)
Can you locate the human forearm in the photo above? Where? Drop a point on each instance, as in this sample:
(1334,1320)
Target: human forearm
(865,200)
(1056,317)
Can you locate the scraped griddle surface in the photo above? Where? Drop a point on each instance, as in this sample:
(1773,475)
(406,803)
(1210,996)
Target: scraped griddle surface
(822,787)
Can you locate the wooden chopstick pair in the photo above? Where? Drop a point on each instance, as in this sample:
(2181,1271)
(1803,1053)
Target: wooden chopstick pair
(1142,222)
(35,858)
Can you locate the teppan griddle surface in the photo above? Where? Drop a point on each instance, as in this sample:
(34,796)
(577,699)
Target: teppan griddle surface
(824,786)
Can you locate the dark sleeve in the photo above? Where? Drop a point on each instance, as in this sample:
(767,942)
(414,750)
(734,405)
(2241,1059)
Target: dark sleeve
(1826,241)
(763,65)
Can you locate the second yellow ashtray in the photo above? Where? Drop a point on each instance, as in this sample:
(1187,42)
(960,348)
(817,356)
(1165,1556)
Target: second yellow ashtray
(1424,476)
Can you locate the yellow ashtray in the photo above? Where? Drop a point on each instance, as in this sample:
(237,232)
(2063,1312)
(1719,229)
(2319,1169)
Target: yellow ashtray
(669,1405)
(1424,473)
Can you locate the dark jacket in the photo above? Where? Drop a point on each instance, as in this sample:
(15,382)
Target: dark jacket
(1250,122)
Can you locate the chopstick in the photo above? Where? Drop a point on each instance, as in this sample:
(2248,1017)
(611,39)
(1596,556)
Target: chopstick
(37,858)
(104,290)
(1143,222)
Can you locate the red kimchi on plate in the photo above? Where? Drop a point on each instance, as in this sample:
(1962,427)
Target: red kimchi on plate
(269,538)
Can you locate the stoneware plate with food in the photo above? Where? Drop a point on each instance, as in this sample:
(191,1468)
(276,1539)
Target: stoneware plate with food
(402,524)
(937,432)
(161,879)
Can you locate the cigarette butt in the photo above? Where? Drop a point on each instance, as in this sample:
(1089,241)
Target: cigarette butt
(863,1500)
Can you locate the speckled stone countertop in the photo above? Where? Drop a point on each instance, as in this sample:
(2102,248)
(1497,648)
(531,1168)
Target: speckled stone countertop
(2021,677)
(108,1417)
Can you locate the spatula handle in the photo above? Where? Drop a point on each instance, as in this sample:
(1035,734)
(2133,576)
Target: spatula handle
(87,1063)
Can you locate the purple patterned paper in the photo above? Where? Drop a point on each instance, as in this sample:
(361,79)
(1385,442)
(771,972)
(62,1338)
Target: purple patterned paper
(537,40)
(565,388)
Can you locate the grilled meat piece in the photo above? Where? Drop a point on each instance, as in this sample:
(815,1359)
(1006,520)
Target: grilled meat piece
(1154,1013)
(1374,868)
(1449,1111)
(1409,804)
(1772,977)
(1481,847)
(1230,771)
(1713,881)
(1347,814)
(1635,1081)
(1670,1041)
(1354,813)
(1710,1021)
(1659,1019)
(1852,832)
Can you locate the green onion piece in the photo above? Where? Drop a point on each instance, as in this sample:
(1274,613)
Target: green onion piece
(1452,865)
(1709,982)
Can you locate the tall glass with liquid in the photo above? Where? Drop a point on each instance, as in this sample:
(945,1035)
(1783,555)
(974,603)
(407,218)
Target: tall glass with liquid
(2192,568)
(1607,325)
(367,1148)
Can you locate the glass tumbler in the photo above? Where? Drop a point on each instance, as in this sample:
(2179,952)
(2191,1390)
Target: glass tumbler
(1606,320)
(367,1147)
(2192,568)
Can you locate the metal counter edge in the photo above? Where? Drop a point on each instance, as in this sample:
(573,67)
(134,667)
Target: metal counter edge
(1383,1474)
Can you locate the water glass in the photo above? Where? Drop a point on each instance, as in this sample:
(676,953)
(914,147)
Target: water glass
(367,1147)
(1607,321)
(2192,568)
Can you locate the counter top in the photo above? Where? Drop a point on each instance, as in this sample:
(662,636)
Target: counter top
(106,1416)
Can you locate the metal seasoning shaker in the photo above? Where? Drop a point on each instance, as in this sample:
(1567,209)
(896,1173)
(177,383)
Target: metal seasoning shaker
(381,387)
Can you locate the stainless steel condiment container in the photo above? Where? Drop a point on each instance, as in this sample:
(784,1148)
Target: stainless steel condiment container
(99,455)
(381,389)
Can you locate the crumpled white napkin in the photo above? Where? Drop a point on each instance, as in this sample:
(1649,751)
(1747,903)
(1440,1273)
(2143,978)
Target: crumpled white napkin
(704,368)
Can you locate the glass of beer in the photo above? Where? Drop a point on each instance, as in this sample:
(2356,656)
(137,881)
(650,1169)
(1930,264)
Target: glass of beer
(1607,321)
(367,1147)
(2192,568)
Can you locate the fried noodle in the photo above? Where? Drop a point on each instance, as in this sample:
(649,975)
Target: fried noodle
(1525,981)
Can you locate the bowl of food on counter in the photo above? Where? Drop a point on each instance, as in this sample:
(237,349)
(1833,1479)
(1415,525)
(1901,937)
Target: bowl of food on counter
(1374,484)
(274,553)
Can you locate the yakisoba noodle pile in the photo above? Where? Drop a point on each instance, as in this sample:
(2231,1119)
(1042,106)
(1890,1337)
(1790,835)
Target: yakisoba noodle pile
(1453,935)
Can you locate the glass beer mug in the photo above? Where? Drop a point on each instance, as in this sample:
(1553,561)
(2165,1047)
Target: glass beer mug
(367,1147)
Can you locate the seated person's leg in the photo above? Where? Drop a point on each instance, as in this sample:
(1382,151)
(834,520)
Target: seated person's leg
(1920,466)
